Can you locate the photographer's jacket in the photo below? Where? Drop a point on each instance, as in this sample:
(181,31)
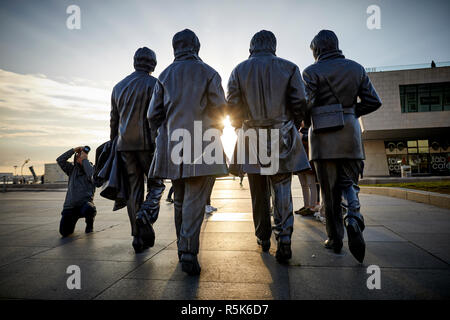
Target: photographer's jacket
(349,81)
(81,185)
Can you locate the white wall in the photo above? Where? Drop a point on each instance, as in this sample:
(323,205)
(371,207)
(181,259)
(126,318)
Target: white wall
(54,174)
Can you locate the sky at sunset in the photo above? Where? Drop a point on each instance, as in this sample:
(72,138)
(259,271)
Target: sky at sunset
(55,83)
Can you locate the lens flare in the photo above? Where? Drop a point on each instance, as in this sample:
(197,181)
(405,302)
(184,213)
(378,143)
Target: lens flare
(228,137)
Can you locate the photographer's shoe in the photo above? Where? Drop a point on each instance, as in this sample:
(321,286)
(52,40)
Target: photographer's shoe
(145,229)
(190,265)
(265,244)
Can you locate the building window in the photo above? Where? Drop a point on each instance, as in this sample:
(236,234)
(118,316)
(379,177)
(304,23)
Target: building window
(425,156)
(412,146)
(425,97)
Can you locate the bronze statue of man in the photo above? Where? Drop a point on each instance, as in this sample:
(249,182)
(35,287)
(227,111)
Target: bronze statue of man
(266,97)
(187,104)
(129,103)
(335,83)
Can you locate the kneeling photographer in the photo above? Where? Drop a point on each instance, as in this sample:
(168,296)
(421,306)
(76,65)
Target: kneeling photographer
(79,202)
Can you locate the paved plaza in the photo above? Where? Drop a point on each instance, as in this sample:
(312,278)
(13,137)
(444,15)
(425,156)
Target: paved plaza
(408,241)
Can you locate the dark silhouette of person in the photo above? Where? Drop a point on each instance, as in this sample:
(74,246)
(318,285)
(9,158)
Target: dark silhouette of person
(338,154)
(267,92)
(187,92)
(433,64)
(241,178)
(79,202)
(129,104)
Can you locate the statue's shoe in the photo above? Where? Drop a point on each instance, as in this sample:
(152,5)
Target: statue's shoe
(145,229)
(265,244)
(356,241)
(190,265)
(336,246)
(138,244)
(284,252)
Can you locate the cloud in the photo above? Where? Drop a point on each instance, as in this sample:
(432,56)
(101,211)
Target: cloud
(41,117)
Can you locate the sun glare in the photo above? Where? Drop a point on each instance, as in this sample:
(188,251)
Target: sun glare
(228,137)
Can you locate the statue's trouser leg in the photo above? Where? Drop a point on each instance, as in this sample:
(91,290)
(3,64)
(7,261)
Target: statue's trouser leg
(155,190)
(327,174)
(260,193)
(309,188)
(136,186)
(348,176)
(208,201)
(283,216)
(170,194)
(302,177)
(196,191)
(283,213)
(178,196)
(272,197)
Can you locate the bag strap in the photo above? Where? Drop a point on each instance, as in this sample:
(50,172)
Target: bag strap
(332,90)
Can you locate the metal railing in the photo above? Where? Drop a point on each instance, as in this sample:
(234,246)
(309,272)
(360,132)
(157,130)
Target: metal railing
(408,67)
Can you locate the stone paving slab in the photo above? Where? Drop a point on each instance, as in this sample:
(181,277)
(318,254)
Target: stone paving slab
(217,241)
(438,244)
(14,253)
(351,283)
(39,279)
(219,266)
(227,226)
(188,289)
(382,254)
(14,228)
(409,241)
(37,238)
(93,249)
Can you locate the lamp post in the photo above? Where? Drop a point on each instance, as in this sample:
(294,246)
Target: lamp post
(21,169)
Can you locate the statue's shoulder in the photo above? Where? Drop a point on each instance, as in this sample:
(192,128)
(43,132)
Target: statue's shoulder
(119,85)
(207,68)
(285,62)
(312,68)
(244,64)
(354,66)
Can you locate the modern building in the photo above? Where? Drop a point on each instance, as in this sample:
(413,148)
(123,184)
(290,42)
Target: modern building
(413,125)
(54,174)
(6,177)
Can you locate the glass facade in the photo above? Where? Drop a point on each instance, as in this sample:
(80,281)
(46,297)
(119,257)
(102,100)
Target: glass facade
(425,156)
(425,97)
